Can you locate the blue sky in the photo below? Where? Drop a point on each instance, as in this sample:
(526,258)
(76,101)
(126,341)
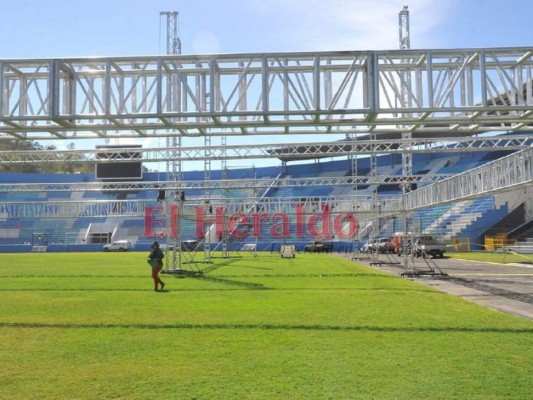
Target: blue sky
(83,28)
(68,28)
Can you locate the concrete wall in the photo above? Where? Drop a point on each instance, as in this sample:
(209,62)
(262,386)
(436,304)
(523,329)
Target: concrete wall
(515,198)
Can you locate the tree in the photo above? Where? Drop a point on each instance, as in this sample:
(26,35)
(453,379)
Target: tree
(67,162)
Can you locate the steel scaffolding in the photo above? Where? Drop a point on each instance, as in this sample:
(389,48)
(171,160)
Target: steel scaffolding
(283,151)
(507,173)
(382,102)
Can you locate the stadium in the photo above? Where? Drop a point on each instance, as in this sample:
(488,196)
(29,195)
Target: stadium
(291,194)
(412,150)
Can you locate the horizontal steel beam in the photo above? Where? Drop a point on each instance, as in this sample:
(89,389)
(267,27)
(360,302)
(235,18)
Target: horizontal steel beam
(287,152)
(189,209)
(465,90)
(219,185)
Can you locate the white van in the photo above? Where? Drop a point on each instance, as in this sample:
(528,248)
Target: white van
(119,245)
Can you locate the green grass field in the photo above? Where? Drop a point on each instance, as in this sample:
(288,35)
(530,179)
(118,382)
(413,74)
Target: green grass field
(89,326)
(503,257)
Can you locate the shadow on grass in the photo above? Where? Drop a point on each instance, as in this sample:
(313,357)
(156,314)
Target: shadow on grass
(214,267)
(232,262)
(312,276)
(225,281)
(358,328)
(210,269)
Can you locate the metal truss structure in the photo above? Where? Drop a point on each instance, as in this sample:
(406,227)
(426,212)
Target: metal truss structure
(441,98)
(382,102)
(508,173)
(436,92)
(137,208)
(222,184)
(290,152)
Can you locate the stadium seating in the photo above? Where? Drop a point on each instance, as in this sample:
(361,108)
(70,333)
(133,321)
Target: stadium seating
(465,219)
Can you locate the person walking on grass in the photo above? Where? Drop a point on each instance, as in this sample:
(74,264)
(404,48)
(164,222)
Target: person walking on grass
(155,259)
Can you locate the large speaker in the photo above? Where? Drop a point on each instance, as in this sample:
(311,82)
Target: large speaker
(129,169)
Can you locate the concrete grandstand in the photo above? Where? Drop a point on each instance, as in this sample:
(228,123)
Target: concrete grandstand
(469,219)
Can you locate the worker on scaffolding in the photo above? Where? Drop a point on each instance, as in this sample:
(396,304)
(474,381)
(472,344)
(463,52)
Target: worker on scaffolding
(408,185)
(155,259)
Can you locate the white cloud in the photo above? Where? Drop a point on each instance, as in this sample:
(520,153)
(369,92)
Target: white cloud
(354,24)
(205,42)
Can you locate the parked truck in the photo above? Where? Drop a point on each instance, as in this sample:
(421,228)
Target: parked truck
(318,246)
(428,245)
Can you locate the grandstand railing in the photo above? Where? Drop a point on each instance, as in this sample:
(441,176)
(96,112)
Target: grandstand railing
(507,173)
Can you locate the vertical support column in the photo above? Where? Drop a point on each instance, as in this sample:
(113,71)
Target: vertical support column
(159,87)
(328,90)
(529,86)
(3,98)
(405,94)
(408,239)
(224,168)
(107,89)
(352,159)
(286,88)
(67,80)
(316,87)
(483,83)
(213,81)
(23,104)
(376,208)
(265,87)
(53,89)
(174,167)
(207,195)
(372,96)
(429,73)
(372,86)
(243,91)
